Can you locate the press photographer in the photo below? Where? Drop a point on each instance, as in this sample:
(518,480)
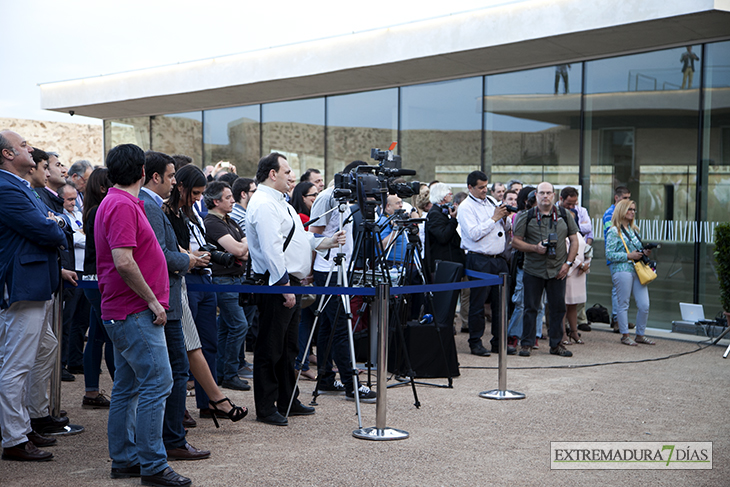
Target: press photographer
(228,238)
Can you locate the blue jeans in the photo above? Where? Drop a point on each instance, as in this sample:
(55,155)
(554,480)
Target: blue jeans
(232,329)
(250,312)
(202,306)
(95,346)
(626,283)
(173,432)
(518,298)
(142,382)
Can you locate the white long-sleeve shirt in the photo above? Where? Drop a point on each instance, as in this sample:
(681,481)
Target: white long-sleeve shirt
(479,233)
(269,219)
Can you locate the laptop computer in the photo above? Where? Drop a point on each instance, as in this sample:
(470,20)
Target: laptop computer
(694,313)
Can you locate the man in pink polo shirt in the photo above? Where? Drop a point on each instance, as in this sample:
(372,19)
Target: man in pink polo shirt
(134,286)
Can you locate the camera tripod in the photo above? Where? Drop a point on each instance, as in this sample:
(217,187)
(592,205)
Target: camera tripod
(337,262)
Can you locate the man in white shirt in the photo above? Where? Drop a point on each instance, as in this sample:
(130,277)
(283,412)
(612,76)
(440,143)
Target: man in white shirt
(483,237)
(270,221)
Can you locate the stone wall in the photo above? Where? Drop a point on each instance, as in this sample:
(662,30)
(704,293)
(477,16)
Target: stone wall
(72,141)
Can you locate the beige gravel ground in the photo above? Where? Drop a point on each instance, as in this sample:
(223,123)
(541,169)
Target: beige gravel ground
(457,438)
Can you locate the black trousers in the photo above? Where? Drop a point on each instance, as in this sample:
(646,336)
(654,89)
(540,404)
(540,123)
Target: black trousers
(275,353)
(478,296)
(555,292)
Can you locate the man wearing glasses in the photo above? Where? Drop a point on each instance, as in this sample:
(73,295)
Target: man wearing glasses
(79,173)
(540,233)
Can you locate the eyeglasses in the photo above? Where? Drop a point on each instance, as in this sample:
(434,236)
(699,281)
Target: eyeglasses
(631,209)
(311,195)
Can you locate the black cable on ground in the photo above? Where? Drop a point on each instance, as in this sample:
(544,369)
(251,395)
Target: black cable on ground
(583,366)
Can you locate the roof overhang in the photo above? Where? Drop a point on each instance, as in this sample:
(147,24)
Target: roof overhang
(510,37)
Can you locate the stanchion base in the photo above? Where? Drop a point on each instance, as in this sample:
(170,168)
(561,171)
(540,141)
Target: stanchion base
(376,434)
(68,430)
(497,394)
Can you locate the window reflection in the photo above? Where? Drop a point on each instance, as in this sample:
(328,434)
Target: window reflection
(532,125)
(295,129)
(234,135)
(127,131)
(357,123)
(179,133)
(441,130)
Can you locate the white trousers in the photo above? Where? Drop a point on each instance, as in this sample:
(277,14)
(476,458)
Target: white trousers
(27,346)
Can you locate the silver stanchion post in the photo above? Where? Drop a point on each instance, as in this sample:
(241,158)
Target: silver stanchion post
(380,432)
(502,392)
(57,320)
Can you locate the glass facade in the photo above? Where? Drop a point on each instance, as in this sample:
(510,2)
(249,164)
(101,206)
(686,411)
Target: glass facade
(656,122)
(233,135)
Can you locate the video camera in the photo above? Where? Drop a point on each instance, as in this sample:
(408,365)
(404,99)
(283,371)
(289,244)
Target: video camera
(369,185)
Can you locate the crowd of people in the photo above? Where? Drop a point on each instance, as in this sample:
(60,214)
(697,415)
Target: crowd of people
(153,229)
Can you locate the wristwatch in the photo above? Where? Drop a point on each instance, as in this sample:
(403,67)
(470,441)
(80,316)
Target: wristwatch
(570,264)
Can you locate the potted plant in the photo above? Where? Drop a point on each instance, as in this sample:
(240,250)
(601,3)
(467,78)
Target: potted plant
(722,257)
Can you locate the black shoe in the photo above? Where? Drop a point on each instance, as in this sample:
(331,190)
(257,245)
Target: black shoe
(561,351)
(274,418)
(26,452)
(48,425)
(300,410)
(335,389)
(188,421)
(465,329)
(126,472)
(67,376)
(166,478)
(236,384)
(364,393)
(76,370)
(480,351)
(510,350)
(40,441)
(98,402)
(584,327)
(525,351)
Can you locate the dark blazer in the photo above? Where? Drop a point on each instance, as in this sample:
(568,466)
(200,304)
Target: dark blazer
(442,240)
(55,203)
(177,262)
(28,244)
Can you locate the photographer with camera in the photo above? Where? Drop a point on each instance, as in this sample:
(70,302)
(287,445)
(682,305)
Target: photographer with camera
(442,239)
(541,234)
(231,249)
(622,256)
(483,229)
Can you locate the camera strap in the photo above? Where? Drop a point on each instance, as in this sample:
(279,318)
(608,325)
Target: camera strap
(623,230)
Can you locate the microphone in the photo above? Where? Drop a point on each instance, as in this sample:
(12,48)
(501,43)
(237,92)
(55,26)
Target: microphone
(401,172)
(426,320)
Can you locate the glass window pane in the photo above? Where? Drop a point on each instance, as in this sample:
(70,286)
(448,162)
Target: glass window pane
(532,125)
(295,129)
(441,130)
(127,131)
(179,133)
(234,135)
(715,199)
(357,123)
(641,132)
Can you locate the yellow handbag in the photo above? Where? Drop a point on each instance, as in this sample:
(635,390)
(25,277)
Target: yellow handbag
(645,273)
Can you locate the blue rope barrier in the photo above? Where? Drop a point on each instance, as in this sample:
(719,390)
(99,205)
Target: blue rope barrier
(482,280)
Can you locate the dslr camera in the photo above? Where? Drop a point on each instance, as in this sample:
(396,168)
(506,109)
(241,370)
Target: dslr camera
(224,259)
(551,244)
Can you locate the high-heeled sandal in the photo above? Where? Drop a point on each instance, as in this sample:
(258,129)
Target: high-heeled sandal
(575,336)
(236,413)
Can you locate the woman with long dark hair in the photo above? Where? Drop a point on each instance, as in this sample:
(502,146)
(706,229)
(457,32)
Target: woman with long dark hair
(302,199)
(96,188)
(199,308)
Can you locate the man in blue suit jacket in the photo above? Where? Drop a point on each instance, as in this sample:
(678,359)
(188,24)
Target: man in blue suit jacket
(29,274)
(159,178)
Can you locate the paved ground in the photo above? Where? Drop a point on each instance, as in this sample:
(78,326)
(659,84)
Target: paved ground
(457,438)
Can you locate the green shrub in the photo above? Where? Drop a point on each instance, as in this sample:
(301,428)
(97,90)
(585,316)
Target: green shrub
(722,257)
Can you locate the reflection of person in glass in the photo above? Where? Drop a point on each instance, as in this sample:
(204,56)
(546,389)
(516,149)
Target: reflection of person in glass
(688,67)
(561,71)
